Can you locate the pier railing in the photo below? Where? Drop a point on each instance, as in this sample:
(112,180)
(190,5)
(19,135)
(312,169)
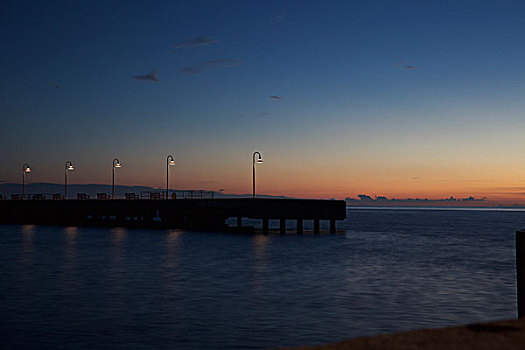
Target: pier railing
(153,195)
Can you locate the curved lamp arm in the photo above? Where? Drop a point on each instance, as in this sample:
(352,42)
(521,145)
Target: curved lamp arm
(117,164)
(259,159)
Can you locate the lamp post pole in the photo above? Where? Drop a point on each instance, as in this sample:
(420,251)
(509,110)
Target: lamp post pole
(68,167)
(25,169)
(169,162)
(116,164)
(259,160)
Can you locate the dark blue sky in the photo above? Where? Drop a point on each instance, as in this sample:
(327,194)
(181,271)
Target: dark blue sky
(431,90)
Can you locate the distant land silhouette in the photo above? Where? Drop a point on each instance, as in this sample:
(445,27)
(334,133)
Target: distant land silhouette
(366,200)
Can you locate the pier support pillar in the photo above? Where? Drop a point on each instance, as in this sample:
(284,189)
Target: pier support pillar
(299,226)
(332,226)
(520,272)
(316,225)
(282,226)
(265,224)
(239,221)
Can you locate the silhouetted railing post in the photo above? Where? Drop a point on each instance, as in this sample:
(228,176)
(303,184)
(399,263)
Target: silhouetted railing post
(520,272)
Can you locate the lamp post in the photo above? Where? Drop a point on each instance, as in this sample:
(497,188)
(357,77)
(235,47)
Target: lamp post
(68,167)
(116,164)
(169,162)
(259,160)
(25,169)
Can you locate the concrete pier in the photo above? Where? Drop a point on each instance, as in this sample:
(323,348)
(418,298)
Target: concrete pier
(180,213)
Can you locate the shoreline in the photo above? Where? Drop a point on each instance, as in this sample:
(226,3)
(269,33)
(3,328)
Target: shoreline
(506,334)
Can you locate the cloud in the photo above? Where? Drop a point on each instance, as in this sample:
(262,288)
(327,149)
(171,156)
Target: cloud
(195,41)
(261,115)
(153,76)
(200,67)
(365,197)
(274,22)
(405,66)
(278,19)
(505,188)
(276,98)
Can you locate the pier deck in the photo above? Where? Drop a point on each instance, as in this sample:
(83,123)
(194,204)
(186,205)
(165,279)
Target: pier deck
(178,213)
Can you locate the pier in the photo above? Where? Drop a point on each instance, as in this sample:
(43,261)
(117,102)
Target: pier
(207,214)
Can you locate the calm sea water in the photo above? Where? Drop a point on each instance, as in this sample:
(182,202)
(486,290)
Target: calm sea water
(391,270)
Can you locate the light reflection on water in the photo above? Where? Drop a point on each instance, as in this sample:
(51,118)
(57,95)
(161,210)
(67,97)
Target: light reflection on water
(130,288)
(70,256)
(260,245)
(118,236)
(28,233)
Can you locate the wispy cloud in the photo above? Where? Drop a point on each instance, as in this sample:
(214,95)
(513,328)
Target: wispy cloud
(505,188)
(153,76)
(276,98)
(195,41)
(405,66)
(251,115)
(278,19)
(274,22)
(200,67)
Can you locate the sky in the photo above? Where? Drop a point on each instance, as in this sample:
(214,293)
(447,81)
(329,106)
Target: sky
(419,99)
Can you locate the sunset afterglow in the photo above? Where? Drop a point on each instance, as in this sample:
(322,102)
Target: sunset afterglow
(342,98)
